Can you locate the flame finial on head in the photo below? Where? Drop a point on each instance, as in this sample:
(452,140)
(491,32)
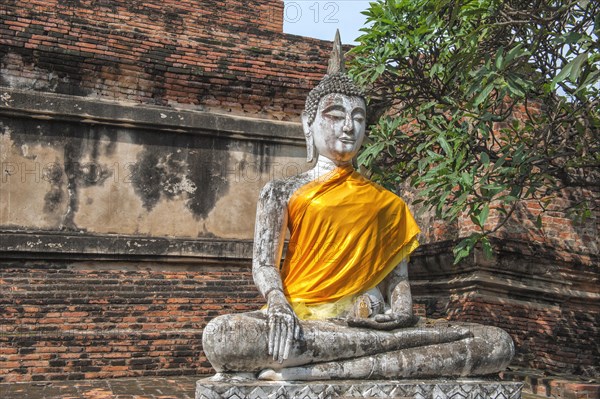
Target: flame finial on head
(336,61)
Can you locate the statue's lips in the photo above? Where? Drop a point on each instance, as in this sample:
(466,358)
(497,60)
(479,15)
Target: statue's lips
(347,141)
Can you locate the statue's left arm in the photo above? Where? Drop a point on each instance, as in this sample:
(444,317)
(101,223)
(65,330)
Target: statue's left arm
(396,290)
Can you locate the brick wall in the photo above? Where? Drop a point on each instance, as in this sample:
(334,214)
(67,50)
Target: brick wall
(82,320)
(61,323)
(58,322)
(569,238)
(558,339)
(227,56)
(563,237)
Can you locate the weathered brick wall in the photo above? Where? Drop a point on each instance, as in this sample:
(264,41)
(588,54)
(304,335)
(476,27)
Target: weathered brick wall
(559,339)
(563,236)
(58,322)
(568,238)
(62,322)
(212,55)
(74,320)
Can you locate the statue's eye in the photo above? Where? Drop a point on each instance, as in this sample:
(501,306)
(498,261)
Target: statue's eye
(359,118)
(336,114)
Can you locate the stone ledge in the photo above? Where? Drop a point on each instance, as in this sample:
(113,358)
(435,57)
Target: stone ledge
(422,389)
(72,246)
(60,107)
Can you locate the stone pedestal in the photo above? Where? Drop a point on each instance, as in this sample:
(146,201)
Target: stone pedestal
(421,389)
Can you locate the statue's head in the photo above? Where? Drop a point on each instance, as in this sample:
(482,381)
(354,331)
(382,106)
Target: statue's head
(335,113)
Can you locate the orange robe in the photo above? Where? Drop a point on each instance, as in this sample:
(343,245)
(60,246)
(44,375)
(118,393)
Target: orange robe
(346,234)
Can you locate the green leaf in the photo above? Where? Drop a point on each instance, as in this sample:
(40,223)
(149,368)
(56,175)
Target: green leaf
(514,86)
(513,53)
(485,159)
(508,198)
(576,68)
(500,161)
(566,71)
(538,221)
(370,152)
(464,247)
(493,189)
(467,179)
(572,37)
(488,252)
(484,214)
(445,146)
(499,58)
(481,97)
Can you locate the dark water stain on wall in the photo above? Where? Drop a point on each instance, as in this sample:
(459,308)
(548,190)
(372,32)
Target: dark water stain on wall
(56,195)
(262,153)
(187,166)
(80,166)
(39,70)
(210,175)
(69,3)
(146,176)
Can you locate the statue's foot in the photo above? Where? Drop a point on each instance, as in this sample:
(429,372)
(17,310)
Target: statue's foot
(270,375)
(232,377)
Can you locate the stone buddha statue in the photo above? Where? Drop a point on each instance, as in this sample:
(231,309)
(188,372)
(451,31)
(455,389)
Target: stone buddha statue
(340,306)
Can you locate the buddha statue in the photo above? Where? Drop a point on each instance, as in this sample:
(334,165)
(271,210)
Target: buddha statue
(340,306)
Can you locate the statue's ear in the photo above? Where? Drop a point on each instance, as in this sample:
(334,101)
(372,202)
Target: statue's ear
(308,135)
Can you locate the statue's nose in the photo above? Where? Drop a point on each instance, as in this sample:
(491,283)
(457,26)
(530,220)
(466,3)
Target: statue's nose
(348,125)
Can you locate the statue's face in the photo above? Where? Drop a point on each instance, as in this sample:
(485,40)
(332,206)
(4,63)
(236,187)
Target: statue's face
(339,127)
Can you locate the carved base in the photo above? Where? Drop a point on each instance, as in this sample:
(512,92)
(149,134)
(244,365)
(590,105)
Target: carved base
(421,389)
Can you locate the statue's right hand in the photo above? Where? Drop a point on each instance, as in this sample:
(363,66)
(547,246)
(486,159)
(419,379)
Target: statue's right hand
(284,326)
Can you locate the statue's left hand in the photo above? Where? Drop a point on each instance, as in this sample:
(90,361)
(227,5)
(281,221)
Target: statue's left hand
(386,322)
(284,326)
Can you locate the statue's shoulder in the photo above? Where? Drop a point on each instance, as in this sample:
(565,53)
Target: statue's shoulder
(382,191)
(280,190)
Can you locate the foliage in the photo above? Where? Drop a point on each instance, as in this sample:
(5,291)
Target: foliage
(483,103)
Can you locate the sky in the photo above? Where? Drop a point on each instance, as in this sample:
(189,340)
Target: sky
(320,19)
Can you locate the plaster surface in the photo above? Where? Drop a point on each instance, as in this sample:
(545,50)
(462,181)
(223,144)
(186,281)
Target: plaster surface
(97,168)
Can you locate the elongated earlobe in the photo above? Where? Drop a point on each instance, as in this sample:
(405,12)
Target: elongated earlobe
(310,147)
(308,135)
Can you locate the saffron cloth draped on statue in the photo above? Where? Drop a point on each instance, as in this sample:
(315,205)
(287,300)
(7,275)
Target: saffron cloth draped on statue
(346,234)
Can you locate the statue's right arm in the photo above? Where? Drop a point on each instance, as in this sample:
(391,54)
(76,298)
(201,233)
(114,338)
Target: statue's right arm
(269,235)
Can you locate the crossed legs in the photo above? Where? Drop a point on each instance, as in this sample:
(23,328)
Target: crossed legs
(328,349)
